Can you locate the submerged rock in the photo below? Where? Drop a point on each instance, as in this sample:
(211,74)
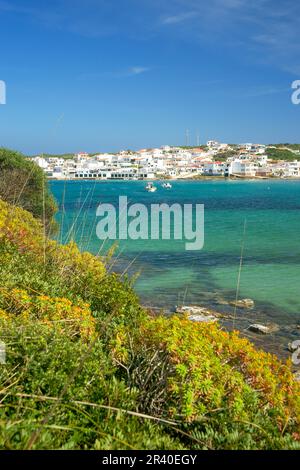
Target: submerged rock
(221,301)
(263,329)
(243,303)
(209,295)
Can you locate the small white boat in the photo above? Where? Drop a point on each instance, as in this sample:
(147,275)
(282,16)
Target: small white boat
(151,188)
(167,185)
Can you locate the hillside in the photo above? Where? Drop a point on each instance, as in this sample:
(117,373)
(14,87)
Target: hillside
(287,153)
(87,368)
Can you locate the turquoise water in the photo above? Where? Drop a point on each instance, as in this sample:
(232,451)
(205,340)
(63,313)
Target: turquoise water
(169,275)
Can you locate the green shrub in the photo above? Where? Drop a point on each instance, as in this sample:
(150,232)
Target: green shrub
(216,384)
(31,262)
(23,183)
(58,392)
(281,154)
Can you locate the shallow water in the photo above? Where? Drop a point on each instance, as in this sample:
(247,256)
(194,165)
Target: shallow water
(169,275)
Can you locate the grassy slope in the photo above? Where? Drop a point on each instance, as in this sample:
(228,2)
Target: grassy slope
(85,363)
(282,153)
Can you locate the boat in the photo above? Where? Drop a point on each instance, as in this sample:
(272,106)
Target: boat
(151,188)
(167,185)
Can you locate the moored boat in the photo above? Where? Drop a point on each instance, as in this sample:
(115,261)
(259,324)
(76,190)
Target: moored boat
(151,188)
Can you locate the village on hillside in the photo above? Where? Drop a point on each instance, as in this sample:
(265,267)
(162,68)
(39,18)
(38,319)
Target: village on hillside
(211,160)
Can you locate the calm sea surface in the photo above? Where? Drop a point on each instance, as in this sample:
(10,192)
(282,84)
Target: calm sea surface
(169,275)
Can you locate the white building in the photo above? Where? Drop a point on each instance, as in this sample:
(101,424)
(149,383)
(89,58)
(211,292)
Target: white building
(292,169)
(81,156)
(213,144)
(215,168)
(41,162)
(244,168)
(261,159)
(57,173)
(254,148)
(217,146)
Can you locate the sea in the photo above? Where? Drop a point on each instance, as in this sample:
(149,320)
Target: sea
(251,249)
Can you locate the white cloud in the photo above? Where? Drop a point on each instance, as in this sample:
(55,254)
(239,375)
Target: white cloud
(267,29)
(129,72)
(264,91)
(137,70)
(173,19)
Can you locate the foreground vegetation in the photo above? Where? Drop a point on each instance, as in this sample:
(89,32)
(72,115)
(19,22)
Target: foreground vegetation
(88,368)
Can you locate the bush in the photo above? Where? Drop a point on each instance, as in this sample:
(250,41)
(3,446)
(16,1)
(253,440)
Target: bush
(215,383)
(34,263)
(280,154)
(55,312)
(58,392)
(24,184)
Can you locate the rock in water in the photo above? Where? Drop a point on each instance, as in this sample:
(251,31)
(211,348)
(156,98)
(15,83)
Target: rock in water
(263,329)
(197,310)
(198,314)
(243,303)
(202,318)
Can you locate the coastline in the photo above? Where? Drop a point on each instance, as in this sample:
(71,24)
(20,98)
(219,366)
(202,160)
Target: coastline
(213,270)
(200,179)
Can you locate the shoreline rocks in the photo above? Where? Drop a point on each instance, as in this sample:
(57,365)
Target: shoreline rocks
(199,314)
(202,318)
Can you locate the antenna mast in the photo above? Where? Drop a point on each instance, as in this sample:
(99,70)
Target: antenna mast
(187,138)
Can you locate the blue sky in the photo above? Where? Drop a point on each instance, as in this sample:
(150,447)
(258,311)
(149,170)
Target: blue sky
(100,75)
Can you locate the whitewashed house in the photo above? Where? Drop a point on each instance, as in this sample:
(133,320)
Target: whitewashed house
(292,169)
(244,168)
